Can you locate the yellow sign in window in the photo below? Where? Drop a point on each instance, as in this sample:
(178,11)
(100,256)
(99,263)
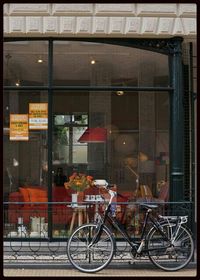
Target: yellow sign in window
(19,127)
(38,115)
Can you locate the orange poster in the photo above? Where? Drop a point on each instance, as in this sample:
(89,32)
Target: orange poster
(38,115)
(19,127)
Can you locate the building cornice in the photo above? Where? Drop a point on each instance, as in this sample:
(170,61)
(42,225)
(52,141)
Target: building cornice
(100,20)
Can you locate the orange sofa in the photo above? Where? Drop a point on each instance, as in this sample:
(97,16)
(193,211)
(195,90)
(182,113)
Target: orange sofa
(30,195)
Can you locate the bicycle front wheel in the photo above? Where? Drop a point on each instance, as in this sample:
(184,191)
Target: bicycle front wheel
(94,258)
(170,257)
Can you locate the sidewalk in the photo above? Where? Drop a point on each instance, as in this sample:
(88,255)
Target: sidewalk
(187,272)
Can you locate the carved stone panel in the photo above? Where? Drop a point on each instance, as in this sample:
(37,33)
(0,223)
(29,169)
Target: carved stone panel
(50,24)
(64,9)
(34,24)
(17,24)
(132,25)
(84,24)
(29,9)
(67,24)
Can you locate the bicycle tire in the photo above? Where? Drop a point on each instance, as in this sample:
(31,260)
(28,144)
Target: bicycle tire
(91,259)
(170,258)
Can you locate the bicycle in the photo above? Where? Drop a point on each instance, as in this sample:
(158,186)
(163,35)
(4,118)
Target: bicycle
(168,244)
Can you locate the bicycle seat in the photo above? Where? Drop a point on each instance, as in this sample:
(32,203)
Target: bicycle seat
(149,206)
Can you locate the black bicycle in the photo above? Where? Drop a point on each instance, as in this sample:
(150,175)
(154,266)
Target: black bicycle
(168,244)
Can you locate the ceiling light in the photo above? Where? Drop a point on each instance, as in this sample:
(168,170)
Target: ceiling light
(40,60)
(93,61)
(17,84)
(120,92)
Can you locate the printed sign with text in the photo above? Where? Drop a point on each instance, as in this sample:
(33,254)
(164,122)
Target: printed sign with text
(19,127)
(38,115)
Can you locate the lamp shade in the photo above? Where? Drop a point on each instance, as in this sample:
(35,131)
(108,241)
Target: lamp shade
(93,135)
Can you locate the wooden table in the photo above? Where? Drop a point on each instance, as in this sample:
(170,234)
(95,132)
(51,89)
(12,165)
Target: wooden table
(81,213)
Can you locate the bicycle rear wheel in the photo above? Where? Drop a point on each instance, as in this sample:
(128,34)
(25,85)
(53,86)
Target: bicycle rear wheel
(92,259)
(166,257)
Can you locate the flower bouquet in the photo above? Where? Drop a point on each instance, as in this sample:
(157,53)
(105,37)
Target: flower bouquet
(79,182)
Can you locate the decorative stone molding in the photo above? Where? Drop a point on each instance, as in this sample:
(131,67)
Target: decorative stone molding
(149,25)
(69,9)
(187,10)
(156,10)
(6,26)
(5,9)
(33,25)
(189,25)
(178,27)
(50,25)
(132,25)
(67,25)
(114,9)
(17,25)
(100,25)
(114,20)
(29,9)
(165,25)
(84,25)
(116,25)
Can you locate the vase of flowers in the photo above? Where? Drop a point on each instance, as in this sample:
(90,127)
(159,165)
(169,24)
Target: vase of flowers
(78,182)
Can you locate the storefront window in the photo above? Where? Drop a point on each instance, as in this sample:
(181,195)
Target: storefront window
(120,136)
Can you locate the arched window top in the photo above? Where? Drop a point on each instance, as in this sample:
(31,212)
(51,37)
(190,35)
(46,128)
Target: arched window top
(87,62)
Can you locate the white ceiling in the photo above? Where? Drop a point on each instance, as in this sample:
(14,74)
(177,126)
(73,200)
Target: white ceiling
(72,61)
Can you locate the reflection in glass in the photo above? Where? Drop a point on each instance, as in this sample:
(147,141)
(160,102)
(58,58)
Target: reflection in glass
(25,63)
(114,65)
(26,160)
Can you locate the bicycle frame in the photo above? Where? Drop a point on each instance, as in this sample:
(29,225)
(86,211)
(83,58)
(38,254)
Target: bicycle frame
(171,250)
(138,247)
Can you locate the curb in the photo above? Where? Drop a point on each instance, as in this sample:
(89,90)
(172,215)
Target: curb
(146,265)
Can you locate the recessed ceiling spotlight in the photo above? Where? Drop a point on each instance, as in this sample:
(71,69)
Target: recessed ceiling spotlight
(93,61)
(40,60)
(17,83)
(120,92)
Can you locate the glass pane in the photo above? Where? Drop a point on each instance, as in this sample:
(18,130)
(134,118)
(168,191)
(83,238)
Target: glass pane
(135,144)
(60,144)
(162,110)
(134,122)
(25,160)
(77,132)
(25,63)
(80,154)
(105,64)
(80,119)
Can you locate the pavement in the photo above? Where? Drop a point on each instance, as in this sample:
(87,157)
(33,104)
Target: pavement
(109,272)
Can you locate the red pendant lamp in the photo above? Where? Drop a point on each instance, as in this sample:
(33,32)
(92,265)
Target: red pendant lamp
(93,135)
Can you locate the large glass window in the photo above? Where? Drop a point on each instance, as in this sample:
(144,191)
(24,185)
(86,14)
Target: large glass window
(85,63)
(137,136)
(110,134)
